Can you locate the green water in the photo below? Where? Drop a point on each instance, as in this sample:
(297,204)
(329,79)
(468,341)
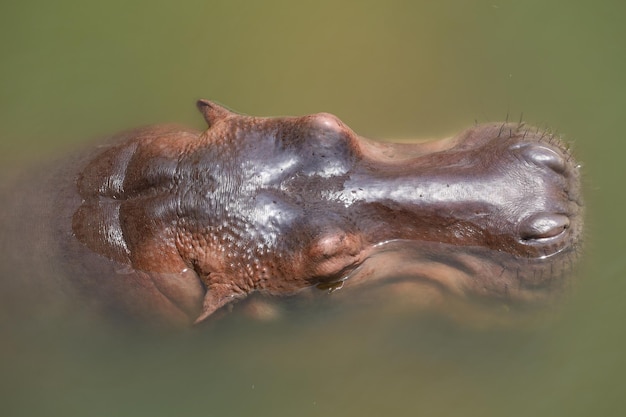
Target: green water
(75,71)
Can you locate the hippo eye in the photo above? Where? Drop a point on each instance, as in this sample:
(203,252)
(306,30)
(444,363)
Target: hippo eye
(325,146)
(326,132)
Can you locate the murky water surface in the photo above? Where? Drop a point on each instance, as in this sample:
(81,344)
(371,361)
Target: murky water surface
(73,72)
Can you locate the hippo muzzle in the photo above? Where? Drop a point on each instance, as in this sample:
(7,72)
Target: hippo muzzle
(277,205)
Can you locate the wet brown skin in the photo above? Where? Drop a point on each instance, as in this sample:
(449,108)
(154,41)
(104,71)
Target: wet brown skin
(172,223)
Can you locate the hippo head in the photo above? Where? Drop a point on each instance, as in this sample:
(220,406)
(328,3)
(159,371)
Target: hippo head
(277,205)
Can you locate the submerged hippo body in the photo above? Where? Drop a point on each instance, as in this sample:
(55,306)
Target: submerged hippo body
(173,223)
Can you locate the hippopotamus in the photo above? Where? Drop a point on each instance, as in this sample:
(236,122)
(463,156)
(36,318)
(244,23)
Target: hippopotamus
(171,223)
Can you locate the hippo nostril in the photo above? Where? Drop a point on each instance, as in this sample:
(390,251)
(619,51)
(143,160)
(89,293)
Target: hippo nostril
(543,225)
(542,155)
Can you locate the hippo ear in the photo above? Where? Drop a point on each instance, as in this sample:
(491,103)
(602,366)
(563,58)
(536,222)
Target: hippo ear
(220,292)
(212,112)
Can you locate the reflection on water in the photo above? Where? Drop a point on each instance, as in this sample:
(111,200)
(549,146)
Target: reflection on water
(393,69)
(314,361)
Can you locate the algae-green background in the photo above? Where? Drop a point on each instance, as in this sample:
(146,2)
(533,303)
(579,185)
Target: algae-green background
(75,71)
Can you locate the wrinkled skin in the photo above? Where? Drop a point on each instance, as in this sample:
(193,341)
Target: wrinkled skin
(172,223)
